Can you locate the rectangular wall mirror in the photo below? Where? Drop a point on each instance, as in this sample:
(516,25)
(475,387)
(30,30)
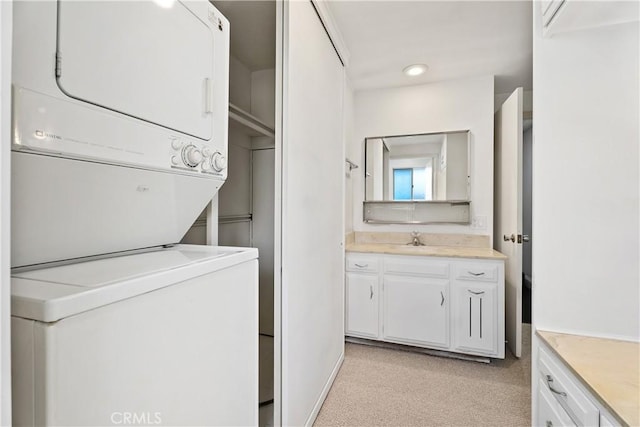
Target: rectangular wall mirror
(403,171)
(425,167)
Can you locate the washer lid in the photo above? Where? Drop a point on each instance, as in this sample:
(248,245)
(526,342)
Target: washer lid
(50,294)
(108,55)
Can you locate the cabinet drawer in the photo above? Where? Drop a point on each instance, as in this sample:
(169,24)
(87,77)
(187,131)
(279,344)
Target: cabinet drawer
(363,263)
(550,414)
(562,386)
(476,272)
(419,265)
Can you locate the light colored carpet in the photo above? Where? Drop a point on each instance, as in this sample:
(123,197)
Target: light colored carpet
(383,387)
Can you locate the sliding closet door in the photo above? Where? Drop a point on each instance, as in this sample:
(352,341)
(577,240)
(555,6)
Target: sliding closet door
(312,163)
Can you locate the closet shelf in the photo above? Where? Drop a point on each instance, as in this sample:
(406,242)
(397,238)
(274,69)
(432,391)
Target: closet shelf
(249,124)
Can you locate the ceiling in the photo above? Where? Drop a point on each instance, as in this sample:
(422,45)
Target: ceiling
(456,39)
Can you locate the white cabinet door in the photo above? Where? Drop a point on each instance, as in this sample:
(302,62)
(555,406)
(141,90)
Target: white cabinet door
(475,317)
(416,310)
(362,305)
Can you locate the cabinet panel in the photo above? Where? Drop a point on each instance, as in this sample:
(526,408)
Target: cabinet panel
(416,310)
(475,317)
(362,305)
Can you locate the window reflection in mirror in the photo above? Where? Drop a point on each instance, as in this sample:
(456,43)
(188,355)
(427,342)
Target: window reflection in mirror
(425,167)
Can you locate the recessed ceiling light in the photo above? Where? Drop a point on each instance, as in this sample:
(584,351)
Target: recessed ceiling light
(165,4)
(415,70)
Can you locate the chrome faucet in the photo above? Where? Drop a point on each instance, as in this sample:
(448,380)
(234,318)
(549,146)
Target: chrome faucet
(415,236)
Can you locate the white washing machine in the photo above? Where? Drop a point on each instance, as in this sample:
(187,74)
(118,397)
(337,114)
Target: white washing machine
(168,337)
(120,113)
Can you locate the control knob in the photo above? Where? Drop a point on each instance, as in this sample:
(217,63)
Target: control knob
(218,161)
(191,156)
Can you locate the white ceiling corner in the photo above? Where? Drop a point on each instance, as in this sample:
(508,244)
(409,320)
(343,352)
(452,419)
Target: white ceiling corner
(456,39)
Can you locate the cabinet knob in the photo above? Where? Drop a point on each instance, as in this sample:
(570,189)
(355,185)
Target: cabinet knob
(441,295)
(362,265)
(370,291)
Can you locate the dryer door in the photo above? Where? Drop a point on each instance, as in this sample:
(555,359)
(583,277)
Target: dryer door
(108,55)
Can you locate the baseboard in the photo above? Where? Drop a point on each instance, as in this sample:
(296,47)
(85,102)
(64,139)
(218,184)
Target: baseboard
(325,391)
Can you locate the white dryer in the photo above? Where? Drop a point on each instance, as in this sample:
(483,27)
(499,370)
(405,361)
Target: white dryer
(120,112)
(168,337)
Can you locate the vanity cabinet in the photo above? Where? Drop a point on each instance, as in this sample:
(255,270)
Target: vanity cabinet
(452,304)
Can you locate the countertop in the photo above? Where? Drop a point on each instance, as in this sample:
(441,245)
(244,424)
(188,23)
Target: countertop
(436,251)
(609,369)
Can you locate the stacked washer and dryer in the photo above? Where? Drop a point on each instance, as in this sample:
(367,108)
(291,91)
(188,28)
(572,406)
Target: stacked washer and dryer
(119,142)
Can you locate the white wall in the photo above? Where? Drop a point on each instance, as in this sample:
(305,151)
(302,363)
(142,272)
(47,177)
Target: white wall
(586,181)
(5,200)
(437,107)
(239,84)
(263,95)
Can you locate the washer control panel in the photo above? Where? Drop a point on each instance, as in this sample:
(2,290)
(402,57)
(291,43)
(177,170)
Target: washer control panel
(195,156)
